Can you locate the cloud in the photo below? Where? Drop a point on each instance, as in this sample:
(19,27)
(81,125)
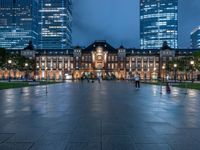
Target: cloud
(117,21)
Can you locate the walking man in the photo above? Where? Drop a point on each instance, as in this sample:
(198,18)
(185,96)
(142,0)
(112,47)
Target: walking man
(99,79)
(137,81)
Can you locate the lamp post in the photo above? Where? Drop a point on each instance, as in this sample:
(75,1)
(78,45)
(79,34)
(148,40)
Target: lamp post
(163,69)
(154,72)
(9,63)
(38,67)
(175,66)
(162,78)
(46,79)
(192,64)
(2,73)
(26,66)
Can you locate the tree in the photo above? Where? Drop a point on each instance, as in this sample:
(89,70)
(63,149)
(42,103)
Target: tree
(20,61)
(165,46)
(197,60)
(183,65)
(30,46)
(2,57)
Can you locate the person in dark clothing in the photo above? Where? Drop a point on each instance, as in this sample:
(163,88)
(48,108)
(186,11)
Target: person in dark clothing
(137,81)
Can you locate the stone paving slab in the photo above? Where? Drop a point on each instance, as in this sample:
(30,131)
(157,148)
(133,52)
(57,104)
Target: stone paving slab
(153,147)
(15,146)
(83,146)
(5,136)
(49,145)
(112,115)
(119,146)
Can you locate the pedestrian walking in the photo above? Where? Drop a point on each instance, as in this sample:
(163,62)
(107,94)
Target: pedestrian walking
(137,81)
(82,78)
(99,79)
(88,80)
(168,89)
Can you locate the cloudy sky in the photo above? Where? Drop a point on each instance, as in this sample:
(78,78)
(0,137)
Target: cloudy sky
(117,21)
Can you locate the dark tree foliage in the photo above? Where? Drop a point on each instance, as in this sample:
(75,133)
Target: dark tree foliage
(30,46)
(2,57)
(165,46)
(197,60)
(18,62)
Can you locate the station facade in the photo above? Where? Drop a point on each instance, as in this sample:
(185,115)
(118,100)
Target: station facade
(102,59)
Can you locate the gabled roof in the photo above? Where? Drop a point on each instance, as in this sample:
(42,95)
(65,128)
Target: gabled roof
(104,44)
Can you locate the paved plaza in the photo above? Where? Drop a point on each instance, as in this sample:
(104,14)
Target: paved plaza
(112,115)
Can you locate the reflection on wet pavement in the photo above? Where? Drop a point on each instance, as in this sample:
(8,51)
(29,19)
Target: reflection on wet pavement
(92,116)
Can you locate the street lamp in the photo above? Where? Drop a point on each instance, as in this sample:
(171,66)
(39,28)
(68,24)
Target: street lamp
(26,66)
(46,79)
(154,73)
(192,64)
(175,66)
(163,68)
(38,67)
(162,78)
(9,62)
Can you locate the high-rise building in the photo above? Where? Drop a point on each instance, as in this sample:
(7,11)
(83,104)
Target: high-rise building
(195,38)
(18,23)
(55,24)
(158,23)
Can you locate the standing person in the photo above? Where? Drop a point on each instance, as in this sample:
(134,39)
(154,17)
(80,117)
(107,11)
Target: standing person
(137,81)
(99,79)
(168,89)
(88,80)
(82,79)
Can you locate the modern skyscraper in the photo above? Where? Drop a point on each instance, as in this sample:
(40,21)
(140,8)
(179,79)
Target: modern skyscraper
(158,23)
(195,38)
(55,24)
(18,23)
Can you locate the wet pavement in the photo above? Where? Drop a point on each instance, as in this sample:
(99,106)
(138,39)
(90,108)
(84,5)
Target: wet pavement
(93,116)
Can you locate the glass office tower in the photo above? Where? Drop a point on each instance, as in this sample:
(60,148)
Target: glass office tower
(195,38)
(158,23)
(18,23)
(55,24)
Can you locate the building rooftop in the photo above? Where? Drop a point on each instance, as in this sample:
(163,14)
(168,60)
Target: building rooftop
(100,43)
(195,30)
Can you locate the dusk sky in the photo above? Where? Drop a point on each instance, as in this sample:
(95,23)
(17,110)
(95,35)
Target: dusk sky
(117,21)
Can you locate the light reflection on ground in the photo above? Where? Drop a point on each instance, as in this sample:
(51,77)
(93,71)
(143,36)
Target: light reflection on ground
(113,114)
